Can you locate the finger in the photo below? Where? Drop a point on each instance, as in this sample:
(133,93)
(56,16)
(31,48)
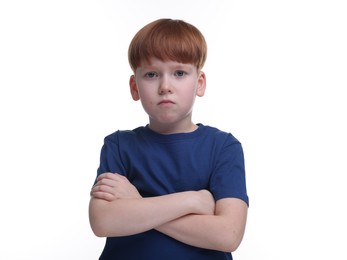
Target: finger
(103,195)
(104,175)
(107,182)
(103,188)
(110,175)
(102,192)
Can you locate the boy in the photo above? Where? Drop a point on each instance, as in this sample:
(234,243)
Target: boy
(172,189)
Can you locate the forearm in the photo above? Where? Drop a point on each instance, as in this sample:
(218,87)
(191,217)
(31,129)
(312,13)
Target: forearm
(222,231)
(123,217)
(205,231)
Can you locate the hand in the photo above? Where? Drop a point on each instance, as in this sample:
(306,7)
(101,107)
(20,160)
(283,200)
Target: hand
(205,203)
(112,186)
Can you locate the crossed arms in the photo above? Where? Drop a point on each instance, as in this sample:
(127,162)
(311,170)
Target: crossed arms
(193,217)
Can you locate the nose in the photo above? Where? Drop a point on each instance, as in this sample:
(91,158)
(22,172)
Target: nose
(164,86)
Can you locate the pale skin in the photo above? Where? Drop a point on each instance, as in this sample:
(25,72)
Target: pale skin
(167,91)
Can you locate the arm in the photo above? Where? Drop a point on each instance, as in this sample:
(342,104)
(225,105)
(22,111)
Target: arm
(117,209)
(222,231)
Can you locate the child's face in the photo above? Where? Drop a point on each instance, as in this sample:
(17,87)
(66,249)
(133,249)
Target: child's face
(167,90)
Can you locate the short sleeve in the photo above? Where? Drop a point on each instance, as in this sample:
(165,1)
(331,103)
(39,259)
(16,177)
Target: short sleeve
(228,178)
(110,157)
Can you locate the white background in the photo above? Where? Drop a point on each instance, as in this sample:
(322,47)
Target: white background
(276,74)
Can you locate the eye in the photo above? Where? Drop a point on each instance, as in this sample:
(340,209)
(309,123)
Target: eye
(151,75)
(180,73)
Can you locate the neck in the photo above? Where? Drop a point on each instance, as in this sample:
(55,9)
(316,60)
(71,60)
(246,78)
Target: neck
(173,128)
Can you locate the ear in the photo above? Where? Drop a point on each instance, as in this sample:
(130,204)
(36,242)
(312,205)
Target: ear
(201,84)
(133,88)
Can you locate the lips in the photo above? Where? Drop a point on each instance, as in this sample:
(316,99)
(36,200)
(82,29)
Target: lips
(166,102)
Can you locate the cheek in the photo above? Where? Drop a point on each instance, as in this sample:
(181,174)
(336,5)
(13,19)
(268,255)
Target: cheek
(146,99)
(188,98)
(189,93)
(144,94)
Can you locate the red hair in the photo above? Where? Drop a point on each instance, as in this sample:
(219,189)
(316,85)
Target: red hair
(168,39)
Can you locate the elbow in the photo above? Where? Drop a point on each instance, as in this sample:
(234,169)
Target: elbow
(96,221)
(228,247)
(98,230)
(102,222)
(230,242)
(97,227)
(101,229)
(233,246)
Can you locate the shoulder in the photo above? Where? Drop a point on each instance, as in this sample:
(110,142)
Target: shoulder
(218,135)
(124,135)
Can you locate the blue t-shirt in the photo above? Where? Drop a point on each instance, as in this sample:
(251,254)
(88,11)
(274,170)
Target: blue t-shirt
(158,164)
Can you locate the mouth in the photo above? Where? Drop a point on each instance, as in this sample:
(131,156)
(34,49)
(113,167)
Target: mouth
(166,102)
